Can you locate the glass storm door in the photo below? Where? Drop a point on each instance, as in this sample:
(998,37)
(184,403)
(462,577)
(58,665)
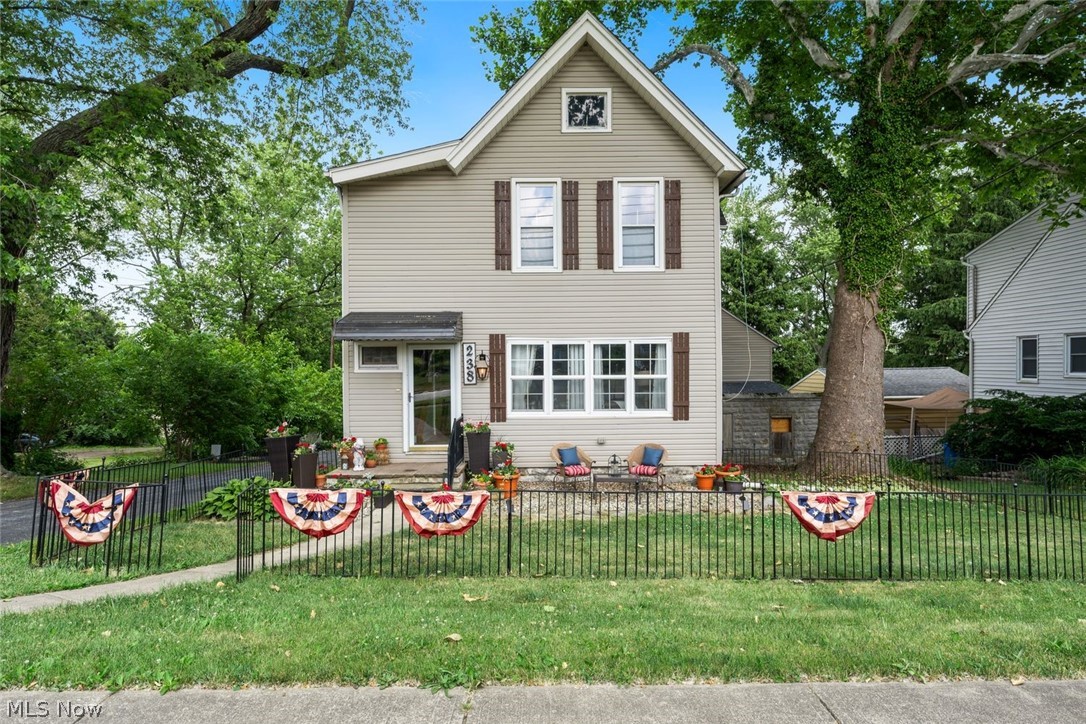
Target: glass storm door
(430,396)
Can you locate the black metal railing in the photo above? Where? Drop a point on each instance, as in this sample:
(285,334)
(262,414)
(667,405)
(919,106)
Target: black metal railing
(456,451)
(134,543)
(910,535)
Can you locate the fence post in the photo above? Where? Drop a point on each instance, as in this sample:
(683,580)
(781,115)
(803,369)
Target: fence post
(890,533)
(509,536)
(166,494)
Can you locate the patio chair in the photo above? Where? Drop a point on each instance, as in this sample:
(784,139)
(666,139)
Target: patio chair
(646,462)
(572,464)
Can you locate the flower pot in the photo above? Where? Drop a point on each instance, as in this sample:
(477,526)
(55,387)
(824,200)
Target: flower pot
(478,444)
(382,455)
(381,446)
(704,482)
(731,482)
(371,462)
(507,484)
(321,480)
(381,500)
(480,484)
(303,473)
(280,450)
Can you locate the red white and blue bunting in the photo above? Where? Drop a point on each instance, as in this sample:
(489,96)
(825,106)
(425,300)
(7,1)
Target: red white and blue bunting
(830,515)
(442,513)
(85,523)
(318,513)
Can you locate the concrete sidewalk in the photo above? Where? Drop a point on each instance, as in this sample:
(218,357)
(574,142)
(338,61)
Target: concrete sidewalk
(1050,702)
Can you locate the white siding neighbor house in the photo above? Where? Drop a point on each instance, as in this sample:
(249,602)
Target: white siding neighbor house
(1026,306)
(570,239)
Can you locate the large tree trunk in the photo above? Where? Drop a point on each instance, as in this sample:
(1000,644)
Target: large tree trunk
(851,419)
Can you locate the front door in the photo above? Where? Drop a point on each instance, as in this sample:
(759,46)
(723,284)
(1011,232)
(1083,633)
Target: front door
(430,396)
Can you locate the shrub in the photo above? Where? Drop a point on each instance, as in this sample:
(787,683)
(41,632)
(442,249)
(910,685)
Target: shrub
(1014,427)
(222,502)
(1063,472)
(44,461)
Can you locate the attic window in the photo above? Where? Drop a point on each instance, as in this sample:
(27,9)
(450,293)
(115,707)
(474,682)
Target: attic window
(586,109)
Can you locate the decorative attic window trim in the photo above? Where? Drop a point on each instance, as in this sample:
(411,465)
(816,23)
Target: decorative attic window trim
(581,111)
(537,209)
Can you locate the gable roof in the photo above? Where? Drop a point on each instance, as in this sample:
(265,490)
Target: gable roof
(587,30)
(1065,212)
(752,329)
(909,382)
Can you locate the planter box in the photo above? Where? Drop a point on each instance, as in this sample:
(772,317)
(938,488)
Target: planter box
(382,501)
(478,444)
(280,451)
(303,473)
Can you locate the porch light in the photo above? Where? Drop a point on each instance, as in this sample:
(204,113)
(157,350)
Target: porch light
(482,368)
(614,465)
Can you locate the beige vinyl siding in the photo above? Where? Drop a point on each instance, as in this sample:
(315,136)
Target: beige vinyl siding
(747,355)
(814,383)
(425,242)
(1046,299)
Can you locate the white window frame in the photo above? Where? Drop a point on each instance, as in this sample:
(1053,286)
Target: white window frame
(359,367)
(567,92)
(557,265)
(1037,358)
(658,235)
(1067,354)
(589,390)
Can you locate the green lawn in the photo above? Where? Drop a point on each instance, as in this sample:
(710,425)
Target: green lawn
(17,487)
(278,630)
(184,545)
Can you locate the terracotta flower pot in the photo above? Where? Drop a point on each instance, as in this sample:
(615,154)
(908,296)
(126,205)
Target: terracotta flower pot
(371,462)
(321,480)
(704,482)
(507,485)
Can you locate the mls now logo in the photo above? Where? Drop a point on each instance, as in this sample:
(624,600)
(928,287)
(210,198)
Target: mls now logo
(26,709)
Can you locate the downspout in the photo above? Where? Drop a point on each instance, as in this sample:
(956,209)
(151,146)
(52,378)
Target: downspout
(971,306)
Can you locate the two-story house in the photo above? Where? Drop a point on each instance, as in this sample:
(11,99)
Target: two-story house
(571,240)
(1026,306)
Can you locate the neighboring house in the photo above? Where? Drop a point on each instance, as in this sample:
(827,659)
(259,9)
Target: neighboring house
(759,414)
(1026,306)
(901,384)
(571,237)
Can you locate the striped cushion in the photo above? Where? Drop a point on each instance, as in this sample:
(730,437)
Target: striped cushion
(577,470)
(643,469)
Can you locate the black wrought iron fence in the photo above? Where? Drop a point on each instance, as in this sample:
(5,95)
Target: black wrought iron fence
(134,543)
(667,533)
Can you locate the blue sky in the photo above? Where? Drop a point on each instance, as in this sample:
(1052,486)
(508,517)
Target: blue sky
(449,91)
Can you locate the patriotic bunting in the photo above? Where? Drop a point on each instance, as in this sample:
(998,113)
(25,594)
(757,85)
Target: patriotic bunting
(443,512)
(830,515)
(85,523)
(318,513)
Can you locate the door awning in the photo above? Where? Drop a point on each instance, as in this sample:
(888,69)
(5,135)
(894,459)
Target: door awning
(399,327)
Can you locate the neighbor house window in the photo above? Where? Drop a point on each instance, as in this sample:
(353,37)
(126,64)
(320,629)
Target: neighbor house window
(376,358)
(627,376)
(1027,359)
(780,430)
(537,230)
(1076,354)
(639,213)
(586,109)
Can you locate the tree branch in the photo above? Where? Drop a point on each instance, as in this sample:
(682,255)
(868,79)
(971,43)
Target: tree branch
(60,84)
(815,49)
(999,150)
(903,21)
(731,69)
(978,65)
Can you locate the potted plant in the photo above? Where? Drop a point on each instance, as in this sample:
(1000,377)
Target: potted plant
(371,459)
(482,481)
(344,447)
(477,439)
(303,469)
(322,475)
(380,491)
(380,446)
(731,475)
(705,476)
(280,441)
(506,475)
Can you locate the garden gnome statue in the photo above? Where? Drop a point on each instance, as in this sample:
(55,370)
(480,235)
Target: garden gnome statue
(359,449)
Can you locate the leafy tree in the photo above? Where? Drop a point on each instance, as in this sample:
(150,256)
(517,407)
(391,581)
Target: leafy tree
(1013,427)
(871,106)
(92,92)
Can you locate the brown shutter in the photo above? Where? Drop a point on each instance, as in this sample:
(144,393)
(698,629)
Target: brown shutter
(497,378)
(680,351)
(503,232)
(605,225)
(570,245)
(673,243)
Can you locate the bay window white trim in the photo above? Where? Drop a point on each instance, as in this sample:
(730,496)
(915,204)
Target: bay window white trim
(629,378)
(657,226)
(556,236)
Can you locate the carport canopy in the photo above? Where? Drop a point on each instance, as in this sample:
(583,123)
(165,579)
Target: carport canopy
(946,398)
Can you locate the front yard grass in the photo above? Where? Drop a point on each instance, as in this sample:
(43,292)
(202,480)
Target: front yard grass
(279,630)
(184,545)
(17,487)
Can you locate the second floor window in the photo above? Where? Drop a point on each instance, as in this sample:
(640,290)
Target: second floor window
(1027,359)
(536,228)
(1076,354)
(639,220)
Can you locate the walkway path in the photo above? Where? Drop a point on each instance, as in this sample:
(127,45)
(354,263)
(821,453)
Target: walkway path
(1050,702)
